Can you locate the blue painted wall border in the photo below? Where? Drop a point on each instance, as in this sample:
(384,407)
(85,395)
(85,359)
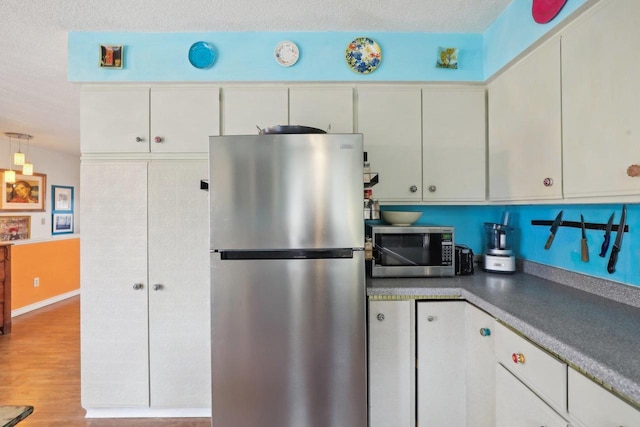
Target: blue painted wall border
(248,57)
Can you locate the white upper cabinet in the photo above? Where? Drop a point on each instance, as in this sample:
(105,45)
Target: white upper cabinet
(245,109)
(323,107)
(143,120)
(525,128)
(601,101)
(453,143)
(390,119)
(183,118)
(114,120)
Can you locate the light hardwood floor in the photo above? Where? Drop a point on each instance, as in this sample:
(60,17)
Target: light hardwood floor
(40,366)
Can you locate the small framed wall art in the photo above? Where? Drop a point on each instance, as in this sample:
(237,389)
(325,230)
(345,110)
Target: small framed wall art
(62,223)
(15,228)
(447,57)
(26,194)
(62,198)
(61,209)
(111,56)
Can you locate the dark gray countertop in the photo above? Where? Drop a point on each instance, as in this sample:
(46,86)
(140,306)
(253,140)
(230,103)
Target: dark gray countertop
(597,335)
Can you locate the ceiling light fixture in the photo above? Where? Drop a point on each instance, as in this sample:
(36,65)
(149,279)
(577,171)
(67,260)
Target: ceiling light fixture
(19,158)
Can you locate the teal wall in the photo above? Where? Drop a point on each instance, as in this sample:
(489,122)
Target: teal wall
(515,30)
(529,240)
(248,57)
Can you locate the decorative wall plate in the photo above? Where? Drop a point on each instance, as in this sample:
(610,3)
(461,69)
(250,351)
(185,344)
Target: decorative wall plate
(286,53)
(363,55)
(201,55)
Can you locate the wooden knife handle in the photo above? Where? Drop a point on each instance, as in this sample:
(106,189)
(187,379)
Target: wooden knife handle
(613,258)
(584,251)
(549,241)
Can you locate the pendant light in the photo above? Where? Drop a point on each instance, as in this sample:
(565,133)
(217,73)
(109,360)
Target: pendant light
(27,168)
(19,158)
(9,175)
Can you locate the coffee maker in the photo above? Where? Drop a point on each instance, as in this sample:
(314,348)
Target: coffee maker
(498,257)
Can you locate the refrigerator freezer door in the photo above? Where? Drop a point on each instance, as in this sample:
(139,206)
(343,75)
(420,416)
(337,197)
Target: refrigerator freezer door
(286,191)
(289,342)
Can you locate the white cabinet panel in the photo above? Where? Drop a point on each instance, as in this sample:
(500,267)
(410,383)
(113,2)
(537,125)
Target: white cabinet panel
(246,108)
(142,345)
(114,120)
(179,320)
(480,367)
(596,407)
(454,162)
(321,107)
(143,120)
(114,316)
(390,119)
(525,128)
(539,370)
(441,364)
(600,101)
(516,405)
(391,363)
(183,118)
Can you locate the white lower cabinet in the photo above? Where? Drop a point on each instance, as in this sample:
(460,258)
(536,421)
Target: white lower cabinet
(516,405)
(441,363)
(593,406)
(480,368)
(391,363)
(145,328)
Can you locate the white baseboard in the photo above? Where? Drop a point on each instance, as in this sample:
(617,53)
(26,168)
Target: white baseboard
(44,303)
(148,413)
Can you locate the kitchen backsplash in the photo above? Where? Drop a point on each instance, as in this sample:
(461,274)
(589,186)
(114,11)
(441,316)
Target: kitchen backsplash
(529,240)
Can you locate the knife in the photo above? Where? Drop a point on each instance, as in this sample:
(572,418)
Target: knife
(584,249)
(554,228)
(613,258)
(607,237)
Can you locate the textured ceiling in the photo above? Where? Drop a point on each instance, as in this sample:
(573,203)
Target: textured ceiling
(36,98)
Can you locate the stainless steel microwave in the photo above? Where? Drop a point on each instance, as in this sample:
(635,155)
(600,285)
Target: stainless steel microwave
(414,251)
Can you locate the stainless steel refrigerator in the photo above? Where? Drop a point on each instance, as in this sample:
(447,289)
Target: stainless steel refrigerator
(288,285)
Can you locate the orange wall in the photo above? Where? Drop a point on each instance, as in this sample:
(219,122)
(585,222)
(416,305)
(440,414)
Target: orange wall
(56,263)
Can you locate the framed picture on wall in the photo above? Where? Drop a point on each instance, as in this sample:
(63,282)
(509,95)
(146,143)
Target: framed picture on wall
(26,194)
(62,223)
(62,198)
(15,228)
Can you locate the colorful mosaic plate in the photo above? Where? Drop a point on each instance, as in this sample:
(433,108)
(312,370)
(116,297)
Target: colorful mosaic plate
(363,55)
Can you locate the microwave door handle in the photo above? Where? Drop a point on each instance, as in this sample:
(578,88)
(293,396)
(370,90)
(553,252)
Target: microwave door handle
(395,255)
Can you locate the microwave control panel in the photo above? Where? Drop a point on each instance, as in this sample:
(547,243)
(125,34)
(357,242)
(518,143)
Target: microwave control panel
(447,249)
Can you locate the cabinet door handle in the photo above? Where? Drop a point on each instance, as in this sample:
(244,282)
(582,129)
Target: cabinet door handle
(548,182)
(139,139)
(413,188)
(380,317)
(158,287)
(138,286)
(485,332)
(517,358)
(430,318)
(432,188)
(157,139)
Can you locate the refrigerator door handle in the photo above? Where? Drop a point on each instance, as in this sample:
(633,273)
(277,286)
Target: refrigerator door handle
(287,254)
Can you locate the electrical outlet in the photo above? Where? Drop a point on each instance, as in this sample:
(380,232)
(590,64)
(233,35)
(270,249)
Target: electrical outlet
(36,282)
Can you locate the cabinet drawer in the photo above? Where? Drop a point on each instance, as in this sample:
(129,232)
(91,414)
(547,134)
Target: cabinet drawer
(546,375)
(517,406)
(596,407)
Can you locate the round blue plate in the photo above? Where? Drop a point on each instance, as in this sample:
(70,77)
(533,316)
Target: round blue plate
(201,55)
